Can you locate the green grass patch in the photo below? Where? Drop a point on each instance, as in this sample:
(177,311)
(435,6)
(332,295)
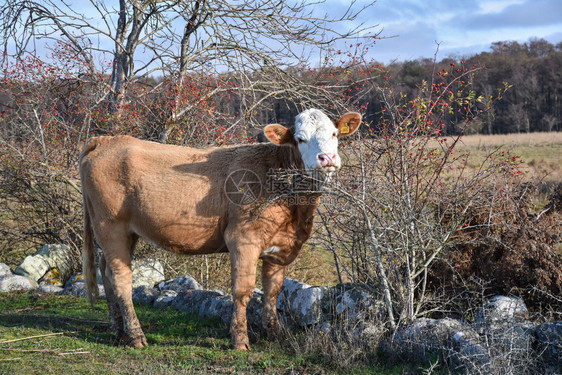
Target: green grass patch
(51,334)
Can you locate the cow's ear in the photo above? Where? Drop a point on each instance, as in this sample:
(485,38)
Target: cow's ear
(348,124)
(279,134)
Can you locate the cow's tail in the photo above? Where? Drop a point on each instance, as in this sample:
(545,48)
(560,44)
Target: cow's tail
(88,250)
(89,259)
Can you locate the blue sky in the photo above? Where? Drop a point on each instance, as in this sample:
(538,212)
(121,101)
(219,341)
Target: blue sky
(462,27)
(412,28)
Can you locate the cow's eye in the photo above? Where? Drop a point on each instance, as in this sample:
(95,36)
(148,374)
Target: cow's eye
(301,140)
(334,135)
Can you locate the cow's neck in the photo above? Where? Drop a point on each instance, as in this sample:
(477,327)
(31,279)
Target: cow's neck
(285,157)
(285,170)
(289,185)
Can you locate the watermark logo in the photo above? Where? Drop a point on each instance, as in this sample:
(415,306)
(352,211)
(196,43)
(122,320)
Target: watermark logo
(293,186)
(243,187)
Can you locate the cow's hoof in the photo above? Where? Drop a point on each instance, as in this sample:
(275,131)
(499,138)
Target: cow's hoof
(137,342)
(241,346)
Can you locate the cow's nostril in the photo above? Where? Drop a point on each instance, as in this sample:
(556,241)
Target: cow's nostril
(327,160)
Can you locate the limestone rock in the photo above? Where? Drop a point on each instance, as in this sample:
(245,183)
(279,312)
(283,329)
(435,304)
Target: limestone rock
(52,277)
(219,306)
(549,339)
(80,290)
(53,289)
(147,272)
(48,257)
(4,270)
(144,294)
(190,300)
(425,337)
(76,278)
(165,299)
(10,283)
(33,267)
(180,284)
(302,302)
(469,354)
(77,287)
(501,309)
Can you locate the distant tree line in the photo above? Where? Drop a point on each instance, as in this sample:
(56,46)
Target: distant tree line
(533,72)
(228,107)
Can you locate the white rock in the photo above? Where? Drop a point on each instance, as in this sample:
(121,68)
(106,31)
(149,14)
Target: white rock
(144,294)
(425,337)
(5,270)
(52,277)
(180,284)
(288,288)
(16,282)
(165,299)
(502,308)
(301,301)
(49,256)
(79,289)
(55,289)
(76,278)
(33,267)
(351,298)
(147,272)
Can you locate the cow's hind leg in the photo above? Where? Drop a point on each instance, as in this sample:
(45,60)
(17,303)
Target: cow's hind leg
(118,248)
(272,276)
(114,309)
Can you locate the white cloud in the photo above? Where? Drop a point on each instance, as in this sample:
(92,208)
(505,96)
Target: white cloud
(461,27)
(497,6)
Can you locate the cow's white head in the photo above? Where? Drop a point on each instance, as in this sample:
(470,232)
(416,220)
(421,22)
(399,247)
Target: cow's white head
(316,138)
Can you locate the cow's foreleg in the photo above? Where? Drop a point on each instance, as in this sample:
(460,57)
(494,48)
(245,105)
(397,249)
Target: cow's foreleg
(243,260)
(272,276)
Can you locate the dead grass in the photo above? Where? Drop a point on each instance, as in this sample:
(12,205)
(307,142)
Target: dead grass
(541,153)
(520,139)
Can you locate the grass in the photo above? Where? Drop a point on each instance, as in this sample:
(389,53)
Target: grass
(541,153)
(51,334)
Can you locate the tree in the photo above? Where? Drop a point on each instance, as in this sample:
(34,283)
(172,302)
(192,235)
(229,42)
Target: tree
(138,38)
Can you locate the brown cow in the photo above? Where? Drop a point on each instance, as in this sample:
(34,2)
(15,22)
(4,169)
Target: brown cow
(202,201)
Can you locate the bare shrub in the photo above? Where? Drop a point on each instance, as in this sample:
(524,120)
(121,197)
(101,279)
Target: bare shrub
(45,120)
(516,253)
(404,195)
(38,206)
(346,344)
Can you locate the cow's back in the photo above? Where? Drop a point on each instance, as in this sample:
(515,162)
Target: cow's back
(170,195)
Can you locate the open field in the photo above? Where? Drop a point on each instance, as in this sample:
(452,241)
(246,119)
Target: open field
(541,153)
